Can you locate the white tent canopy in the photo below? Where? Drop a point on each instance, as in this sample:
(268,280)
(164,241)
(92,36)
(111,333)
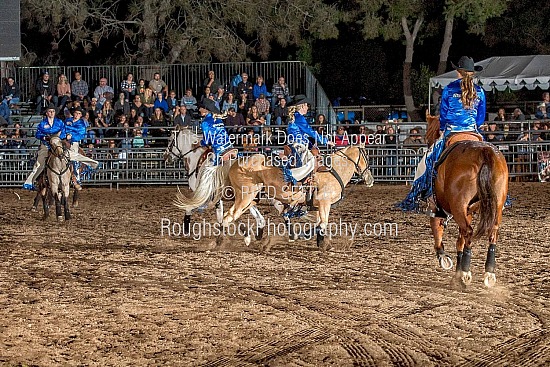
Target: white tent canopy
(502,72)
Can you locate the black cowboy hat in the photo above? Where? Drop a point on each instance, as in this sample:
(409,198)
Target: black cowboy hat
(78,109)
(466,63)
(299,99)
(209,105)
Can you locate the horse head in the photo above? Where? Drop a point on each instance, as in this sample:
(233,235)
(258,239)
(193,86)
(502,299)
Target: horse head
(432,133)
(56,146)
(182,141)
(360,158)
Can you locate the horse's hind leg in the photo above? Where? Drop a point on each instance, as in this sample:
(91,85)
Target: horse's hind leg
(35,202)
(76,195)
(58,212)
(464,247)
(445,260)
(489,277)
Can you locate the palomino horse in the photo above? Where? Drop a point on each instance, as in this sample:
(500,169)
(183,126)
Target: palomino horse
(472,178)
(59,177)
(184,145)
(250,178)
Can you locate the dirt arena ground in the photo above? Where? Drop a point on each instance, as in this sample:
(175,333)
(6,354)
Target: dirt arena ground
(110,289)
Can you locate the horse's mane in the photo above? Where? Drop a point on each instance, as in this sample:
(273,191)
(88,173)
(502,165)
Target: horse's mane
(432,133)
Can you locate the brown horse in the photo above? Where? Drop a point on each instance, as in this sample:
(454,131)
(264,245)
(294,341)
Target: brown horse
(472,179)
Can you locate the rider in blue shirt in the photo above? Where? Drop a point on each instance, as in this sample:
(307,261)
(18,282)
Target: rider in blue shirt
(298,134)
(462,109)
(213,130)
(50,125)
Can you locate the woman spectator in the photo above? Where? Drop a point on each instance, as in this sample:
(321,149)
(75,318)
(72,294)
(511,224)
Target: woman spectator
(159,124)
(255,119)
(140,108)
(243,105)
(17,141)
(206,94)
(341,138)
(361,137)
(259,88)
(122,106)
(229,102)
(172,103)
(128,86)
(140,89)
(218,96)
(148,102)
(108,113)
(63,91)
(99,127)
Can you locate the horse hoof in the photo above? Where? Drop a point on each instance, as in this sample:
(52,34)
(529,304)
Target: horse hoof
(60,218)
(489,279)
(466,277)
(445,262)
(34,209)
(247,240)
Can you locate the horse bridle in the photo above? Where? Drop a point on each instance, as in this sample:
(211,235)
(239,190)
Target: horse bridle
(180,156)
(362,154)
(64,155)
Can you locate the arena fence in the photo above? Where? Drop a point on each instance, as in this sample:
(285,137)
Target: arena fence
(145,165)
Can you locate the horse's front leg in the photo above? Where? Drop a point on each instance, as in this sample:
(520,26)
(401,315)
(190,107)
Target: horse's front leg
(187,223)
(464,249)
(324,210)
(445,260)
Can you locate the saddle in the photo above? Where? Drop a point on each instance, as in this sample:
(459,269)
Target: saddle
(319,166)
(462,136)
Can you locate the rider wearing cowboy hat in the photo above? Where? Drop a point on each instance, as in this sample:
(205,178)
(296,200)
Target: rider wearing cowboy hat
(213,130)
(49,126)
(298,134)
(462,109)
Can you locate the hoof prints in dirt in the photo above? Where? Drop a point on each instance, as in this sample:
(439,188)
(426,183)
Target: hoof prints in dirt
(265,352)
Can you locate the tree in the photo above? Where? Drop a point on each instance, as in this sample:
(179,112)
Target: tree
(149,31)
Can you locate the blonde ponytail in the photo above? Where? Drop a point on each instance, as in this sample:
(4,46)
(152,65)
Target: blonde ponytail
(469,94)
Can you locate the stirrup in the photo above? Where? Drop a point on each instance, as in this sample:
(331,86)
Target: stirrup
(29,187)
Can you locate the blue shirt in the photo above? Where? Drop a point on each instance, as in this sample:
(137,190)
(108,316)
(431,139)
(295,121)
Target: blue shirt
(299,131)
(453,117)
(77,129)
(44,129)
(162,104)
(214,134)
(259,89)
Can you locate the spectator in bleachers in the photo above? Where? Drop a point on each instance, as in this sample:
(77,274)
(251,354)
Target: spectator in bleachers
(109,117)
(219,96)
(518,115)
(122,105)
(205,94)
(11,91)
(137,140)
(103,92)
(545,135)
(259,88)
(63,91)
(501,115)
(173,104)
(17,141)
(79,88)
(229,102)
(235,121)
(280,112)
(45,91)
(279,90)
(128,86)
(245,86)
(132,117)
(493,135)
(148,102)
(543,111)
(143,125)
(4,143)
(161,103)
(390,142)
(141,109)
(5,113)
(182,118)
(341,138)
(211,81)
(361,137)
(320,120)
(158,85)
(188,100)
(140,89)
(263,108)
(414,140)
(255,120)
(159,124)
(99,127)
(213,98)
(244,104)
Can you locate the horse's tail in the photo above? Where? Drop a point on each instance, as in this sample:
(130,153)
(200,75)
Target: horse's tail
(210,183)
(488,210)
